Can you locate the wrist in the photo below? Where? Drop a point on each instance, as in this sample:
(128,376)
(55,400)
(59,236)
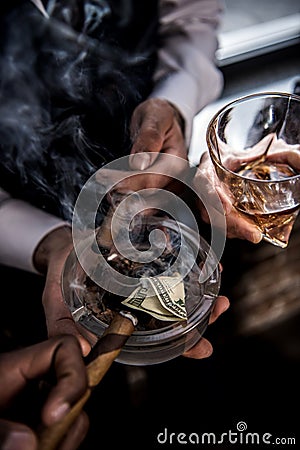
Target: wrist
(50,246)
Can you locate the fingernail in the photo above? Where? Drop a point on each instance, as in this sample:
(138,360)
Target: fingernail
(256,237)
(59,412)
(225,307)
(140,161)
(20,439)
(207,350)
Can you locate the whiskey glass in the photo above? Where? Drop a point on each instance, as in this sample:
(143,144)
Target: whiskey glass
(254,144)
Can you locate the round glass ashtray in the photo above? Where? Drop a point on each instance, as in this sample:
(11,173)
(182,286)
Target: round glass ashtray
(171,290)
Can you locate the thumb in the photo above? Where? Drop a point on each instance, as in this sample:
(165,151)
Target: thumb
(65,325)
(141,160)
(16,436)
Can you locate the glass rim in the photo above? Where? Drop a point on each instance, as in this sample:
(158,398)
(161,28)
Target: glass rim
(236,101)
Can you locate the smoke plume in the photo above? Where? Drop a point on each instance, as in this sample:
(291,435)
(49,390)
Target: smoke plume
(68,89)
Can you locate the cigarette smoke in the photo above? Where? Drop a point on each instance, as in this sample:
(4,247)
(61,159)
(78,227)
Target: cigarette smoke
(68,89)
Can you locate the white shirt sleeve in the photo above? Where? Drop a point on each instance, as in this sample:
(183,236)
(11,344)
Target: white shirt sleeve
(22,227)
(187,74)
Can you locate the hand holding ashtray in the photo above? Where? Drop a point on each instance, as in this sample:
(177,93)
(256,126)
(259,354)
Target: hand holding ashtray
(162,287)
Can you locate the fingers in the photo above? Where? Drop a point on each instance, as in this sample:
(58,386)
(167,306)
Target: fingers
(16,436)
(203,349)
(220,306)
(125,182)
(155,133)
(214,202)
(158,153)
(209,189)
(71,378)
(154,128)
(61,353)
(291,157)
(58,316)
(57,246)
(162,173)
(147,133)
(76,433)
(239,227)
(64,324)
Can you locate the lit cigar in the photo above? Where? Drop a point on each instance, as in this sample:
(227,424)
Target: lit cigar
(99,361)
(132,207)
(104,238)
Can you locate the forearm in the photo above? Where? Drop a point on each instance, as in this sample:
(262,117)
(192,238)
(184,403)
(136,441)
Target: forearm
(186,73)
(22,228)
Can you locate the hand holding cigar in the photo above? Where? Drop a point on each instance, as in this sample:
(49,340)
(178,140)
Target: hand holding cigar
(158,299)
(99,361)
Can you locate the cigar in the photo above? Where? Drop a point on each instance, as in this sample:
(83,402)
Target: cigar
(104,236)
(98,362)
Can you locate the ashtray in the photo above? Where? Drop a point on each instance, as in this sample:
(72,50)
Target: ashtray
(97,282)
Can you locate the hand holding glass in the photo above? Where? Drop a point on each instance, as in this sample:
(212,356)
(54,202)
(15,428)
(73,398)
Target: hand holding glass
(254,143)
